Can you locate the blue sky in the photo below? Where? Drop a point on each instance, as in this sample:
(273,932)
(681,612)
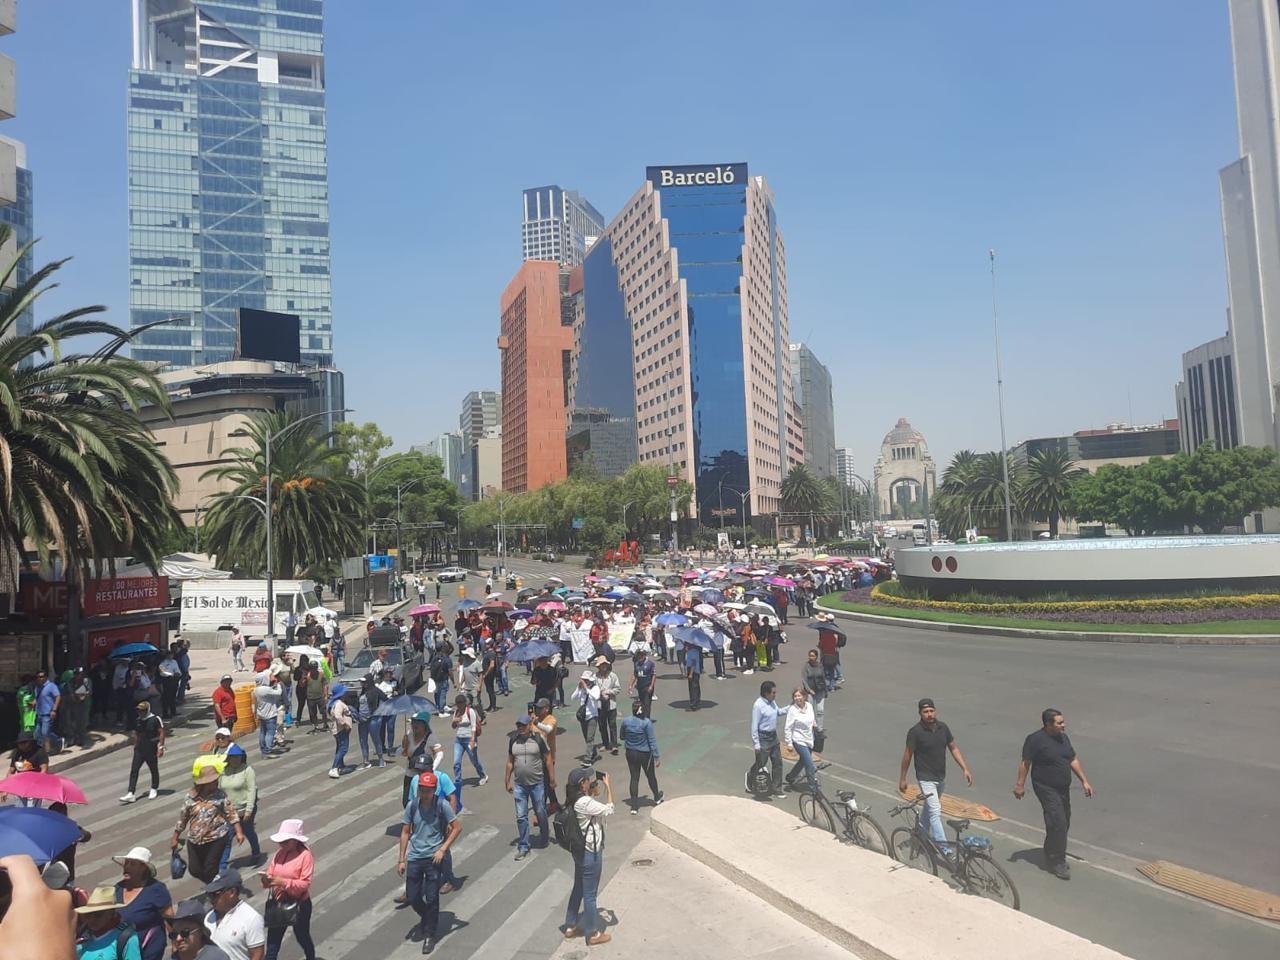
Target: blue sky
(902,140)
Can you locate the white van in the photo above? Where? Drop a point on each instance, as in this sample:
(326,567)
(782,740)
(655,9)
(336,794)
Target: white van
(919,537)
(209,606)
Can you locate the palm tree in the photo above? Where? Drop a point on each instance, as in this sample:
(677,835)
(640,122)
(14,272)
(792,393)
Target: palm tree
(80,475)
(985,490)
(802,493)
(1045,487)
(316,504)
(951,503)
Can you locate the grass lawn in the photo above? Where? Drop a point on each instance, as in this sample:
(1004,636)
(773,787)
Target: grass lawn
(1209,626)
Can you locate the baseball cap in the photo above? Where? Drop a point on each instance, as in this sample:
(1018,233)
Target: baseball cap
(543,702)
(427,780)
(227,676)
(924,702)
(523,720)
(223,881)
(191,909)
(222,732)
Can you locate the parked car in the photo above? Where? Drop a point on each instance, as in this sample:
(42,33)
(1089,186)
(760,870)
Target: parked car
(405,662)
(452,574)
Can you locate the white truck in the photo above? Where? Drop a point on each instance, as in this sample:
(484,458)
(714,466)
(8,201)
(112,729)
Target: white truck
(210,607)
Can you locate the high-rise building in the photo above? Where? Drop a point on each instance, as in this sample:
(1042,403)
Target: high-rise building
(1250,190)
(20,216)
(559,225)
(1206,397)
(685,310)
(448,447)
(536,341)
(12,153)
(811,389)
(844,466)
(481,415)
(228,174)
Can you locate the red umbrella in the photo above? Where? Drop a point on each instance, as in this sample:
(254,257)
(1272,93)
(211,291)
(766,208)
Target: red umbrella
(34,785)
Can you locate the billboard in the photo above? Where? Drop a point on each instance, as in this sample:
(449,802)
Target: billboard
(264,335)
(697,175)
(47,599)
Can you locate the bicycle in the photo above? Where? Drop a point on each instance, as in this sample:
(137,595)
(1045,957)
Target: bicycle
(856,825)
(970,863)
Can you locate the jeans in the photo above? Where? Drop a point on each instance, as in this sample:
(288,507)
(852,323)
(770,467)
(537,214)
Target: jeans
(301,933)
(44,730)
(168,697)
(1056,803)
(646,700)
(805,763)
(523,795)
(442,695)
(364,728)
(717,655)
(237,659)
(141,757)
(250,834)
(339,660)
(389,735)
(504,682)
(376,733)
(266,735)
(589,728)
(288,703)
(467,746)
(489,681)
(932,819)
(341,740)
(819,714)
(586,883)
(695,690)
(638,760)
(422,880)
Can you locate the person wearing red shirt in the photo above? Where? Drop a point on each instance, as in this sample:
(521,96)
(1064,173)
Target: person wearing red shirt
(829,646)
(224,704)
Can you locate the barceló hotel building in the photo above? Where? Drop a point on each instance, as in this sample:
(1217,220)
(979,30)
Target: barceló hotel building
(692,276)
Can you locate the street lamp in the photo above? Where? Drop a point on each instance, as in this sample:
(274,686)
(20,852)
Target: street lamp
(399,546)
(266,510)
(1004,448)
(743,508)
(629,503)
(369,474)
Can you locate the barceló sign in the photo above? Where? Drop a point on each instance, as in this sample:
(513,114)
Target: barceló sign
(697,175)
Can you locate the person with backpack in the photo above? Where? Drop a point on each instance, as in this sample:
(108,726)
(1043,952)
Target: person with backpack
(529,765)
(467,726)
(580,829)
(429,828)
(106,936)
(439,669)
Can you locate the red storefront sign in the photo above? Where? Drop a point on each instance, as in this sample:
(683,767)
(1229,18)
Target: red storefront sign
(102,642)
(47,600)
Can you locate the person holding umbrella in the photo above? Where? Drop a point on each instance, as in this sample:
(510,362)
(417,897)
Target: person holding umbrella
(106,936)
(208,816)
(143,900)
(148,748)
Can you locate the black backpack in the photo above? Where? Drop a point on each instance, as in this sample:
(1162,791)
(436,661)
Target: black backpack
(759,783)
(439,667)
(565,825)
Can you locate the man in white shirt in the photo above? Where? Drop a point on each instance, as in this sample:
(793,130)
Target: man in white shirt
(234,926)
(170,675)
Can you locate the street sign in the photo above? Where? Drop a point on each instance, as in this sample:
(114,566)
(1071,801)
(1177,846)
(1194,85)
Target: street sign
(673,481)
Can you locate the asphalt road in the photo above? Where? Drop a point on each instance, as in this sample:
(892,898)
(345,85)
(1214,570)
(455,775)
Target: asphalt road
(1169,736)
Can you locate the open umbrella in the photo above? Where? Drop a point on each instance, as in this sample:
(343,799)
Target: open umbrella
(560,591)
(465,605)
(734,606)
(423,609)
(40,834)
(672,620)
(617,594)
(780,582)
(829,628)
(551,605)
(498,606)
(712,596)
(555,580)
(132,650)
(694,637)
(531,650)
(521,613)
(305,650)
(689,575)
(34,785)
(706,609)
(404,704)
(601,600)
(759,609)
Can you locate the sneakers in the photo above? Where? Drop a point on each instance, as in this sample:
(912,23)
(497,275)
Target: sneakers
(152,794)
(659,798)
(366,765)
(747,673)
(521,854)
(483,780)
(428,945)
(334,774)
(597,938)
(129,798)
(1061,870)
(571,932)
(634,811)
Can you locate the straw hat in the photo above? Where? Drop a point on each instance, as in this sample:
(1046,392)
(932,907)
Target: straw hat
(102,898)
(141,855)
(289,830)
(207,774)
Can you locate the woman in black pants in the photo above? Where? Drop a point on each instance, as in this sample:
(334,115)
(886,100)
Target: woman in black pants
(639,737)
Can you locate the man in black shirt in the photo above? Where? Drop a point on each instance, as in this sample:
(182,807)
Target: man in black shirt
(28,756)
(928,741)
(1051,760)
(148,747)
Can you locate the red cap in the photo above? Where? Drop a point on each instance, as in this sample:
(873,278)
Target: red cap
(427,779)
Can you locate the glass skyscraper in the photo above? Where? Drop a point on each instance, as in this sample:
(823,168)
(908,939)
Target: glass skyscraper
(228,174)
(558,225)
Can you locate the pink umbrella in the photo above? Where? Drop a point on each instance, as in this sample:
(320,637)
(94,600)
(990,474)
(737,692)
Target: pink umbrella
(424,609)
(780,582)
(706,609)
(551,605)
(34,785)
(689,575)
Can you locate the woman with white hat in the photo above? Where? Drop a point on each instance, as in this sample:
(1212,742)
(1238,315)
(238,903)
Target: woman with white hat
(288,880)
(144,901)
(102,932)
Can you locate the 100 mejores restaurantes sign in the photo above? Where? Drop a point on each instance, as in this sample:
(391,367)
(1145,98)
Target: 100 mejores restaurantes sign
(697,175)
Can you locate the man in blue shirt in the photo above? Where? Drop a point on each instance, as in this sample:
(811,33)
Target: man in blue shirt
(429,828)
(764,733)
(643,682)
(48,700)
(693,671)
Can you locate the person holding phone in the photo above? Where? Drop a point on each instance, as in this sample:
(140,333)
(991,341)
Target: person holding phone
(584,788)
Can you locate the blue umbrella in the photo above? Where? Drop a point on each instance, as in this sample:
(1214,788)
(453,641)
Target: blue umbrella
(465,605)
(671,620)
(693,637)
(521,614)
(617,594)
(40,834)
(132,650)
(404,704)
(531,650)
(712,596)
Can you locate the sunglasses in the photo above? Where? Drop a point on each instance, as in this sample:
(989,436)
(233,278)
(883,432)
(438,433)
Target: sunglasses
(182,934)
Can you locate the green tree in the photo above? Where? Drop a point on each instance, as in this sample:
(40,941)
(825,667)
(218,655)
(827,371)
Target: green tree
(364,444)
(1219,488)
(1045,487)
(80,475)
(316,505)
(802,493)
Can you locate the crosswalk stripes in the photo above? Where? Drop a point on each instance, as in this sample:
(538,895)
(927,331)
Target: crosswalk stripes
(356,932)
(526,920)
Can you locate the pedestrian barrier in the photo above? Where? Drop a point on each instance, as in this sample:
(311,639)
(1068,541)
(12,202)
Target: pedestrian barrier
(1225,893)
(955,807)
(246,715)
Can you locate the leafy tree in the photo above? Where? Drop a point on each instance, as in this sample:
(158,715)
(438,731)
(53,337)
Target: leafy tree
(1044,490)
(316,504)
(80,475)
(364,444)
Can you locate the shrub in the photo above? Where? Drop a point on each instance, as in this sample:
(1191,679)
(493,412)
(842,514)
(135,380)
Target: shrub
(893,594)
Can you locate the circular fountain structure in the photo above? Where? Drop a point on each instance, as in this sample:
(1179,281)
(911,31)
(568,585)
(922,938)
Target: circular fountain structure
(1094,567)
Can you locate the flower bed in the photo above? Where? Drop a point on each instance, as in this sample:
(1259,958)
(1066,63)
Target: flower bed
(1255,605)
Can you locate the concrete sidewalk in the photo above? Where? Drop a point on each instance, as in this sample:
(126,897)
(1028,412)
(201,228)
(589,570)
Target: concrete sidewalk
(207,668)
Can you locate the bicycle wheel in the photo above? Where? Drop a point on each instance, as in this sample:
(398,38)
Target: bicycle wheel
(867,834)
(906,847)
(983,877)
(815,813)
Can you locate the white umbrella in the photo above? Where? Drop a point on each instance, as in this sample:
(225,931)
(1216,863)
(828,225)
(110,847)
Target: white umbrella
(554,580)
(706,609)
(761,609)
(734,606)
(303,650)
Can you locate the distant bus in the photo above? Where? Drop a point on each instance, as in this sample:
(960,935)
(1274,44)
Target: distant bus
(919,534)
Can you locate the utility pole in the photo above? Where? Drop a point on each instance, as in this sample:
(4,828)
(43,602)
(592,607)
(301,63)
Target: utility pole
(672,482)
(1004,447)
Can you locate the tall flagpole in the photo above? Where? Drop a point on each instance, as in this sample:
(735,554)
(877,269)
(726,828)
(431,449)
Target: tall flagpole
(1004,447)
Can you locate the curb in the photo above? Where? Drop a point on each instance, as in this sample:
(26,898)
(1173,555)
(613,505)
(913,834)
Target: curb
(1175,639)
